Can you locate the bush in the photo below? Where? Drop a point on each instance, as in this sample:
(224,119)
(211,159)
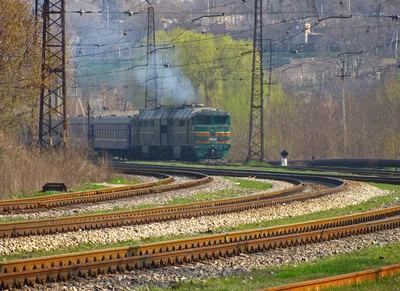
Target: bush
(25,170)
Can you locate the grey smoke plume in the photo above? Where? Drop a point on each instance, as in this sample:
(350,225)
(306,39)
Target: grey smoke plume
(175,86)
(103,45)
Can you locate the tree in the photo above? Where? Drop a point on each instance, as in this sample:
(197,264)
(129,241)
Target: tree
(20,77)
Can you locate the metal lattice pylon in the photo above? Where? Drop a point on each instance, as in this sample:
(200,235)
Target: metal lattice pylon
(52,120)
(256,132)
(151,71)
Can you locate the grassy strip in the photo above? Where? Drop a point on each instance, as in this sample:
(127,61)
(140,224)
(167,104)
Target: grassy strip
(123,181)
(245,184)
(365,206)
(85,187)
(376,202)
(382,186)
(199,197)
(250,184)
(370,258)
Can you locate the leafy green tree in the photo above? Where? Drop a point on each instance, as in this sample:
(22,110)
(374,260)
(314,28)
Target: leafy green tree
(19,63)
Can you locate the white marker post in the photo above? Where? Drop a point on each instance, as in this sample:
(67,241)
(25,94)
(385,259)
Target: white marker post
(284,155)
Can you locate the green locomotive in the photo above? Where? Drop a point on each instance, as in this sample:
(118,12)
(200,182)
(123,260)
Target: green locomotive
(189,132)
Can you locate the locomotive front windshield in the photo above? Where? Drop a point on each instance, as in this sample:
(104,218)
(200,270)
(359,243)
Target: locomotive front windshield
(221,120)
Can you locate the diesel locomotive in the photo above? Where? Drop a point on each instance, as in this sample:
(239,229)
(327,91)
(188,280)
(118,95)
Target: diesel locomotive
(188,132)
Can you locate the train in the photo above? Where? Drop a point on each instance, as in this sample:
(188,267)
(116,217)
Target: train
(187,132)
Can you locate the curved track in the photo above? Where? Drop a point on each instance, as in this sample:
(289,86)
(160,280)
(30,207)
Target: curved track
(61,267)
(372,176)
(29,271)
(114,219)
(91,196)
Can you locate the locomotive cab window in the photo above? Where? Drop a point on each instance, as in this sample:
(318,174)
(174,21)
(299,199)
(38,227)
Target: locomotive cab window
(202,120)
(222,120)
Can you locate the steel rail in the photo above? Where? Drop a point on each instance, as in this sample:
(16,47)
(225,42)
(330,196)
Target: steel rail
(61,267)
(381,163)
(259,173)
(143,216)
(91,196)
(83,196)
(340,280)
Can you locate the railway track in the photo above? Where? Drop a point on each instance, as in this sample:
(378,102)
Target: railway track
(143,216)
(341,280)
(362,176)
(93,196)
(47,269)
(62,267)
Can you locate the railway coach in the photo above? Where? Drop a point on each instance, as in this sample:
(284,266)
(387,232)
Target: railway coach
(188,132)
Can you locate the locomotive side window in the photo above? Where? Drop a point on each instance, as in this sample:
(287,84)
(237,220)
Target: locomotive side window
(221,120)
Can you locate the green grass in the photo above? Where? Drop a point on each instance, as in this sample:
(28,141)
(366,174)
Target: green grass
(90,186)
(204,196)
(370,258)
(250,184)
(85,187)
(123,181)
(382,186)
(244,184)
(376,202)
(256,164)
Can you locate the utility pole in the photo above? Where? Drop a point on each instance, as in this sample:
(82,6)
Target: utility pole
(256,130)
(151,71)
(344,72)
(88,124)
(270,83)
(163,76)
(349,7)
(52,119)
(397,43)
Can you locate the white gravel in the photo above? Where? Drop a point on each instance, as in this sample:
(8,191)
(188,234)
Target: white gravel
(355,194)
(170,275)
(218,184)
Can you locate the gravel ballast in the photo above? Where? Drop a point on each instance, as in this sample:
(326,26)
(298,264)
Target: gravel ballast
(218,184)
(355,194)
(168,276)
